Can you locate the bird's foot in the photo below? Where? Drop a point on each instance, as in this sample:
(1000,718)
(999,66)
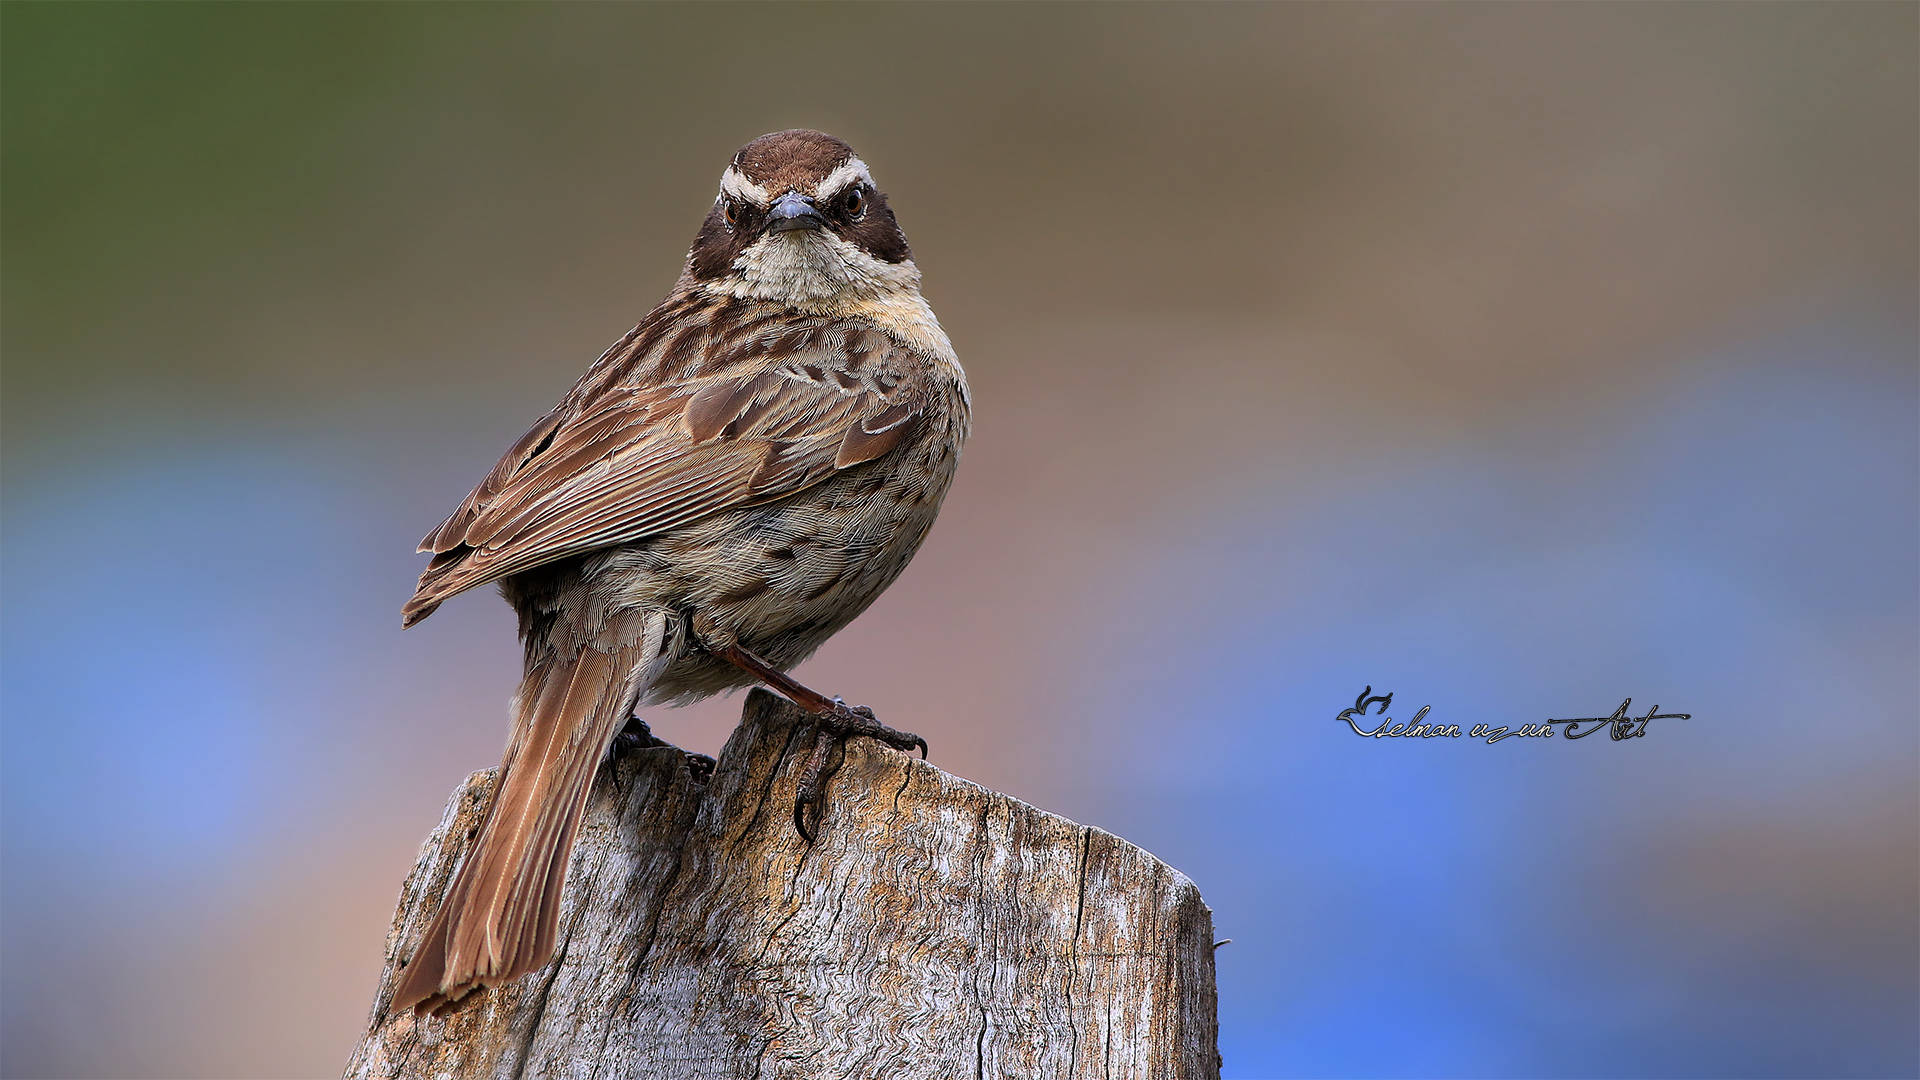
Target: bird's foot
(832,727)
(834,721)
(635,736)
(858,720)
(638,736)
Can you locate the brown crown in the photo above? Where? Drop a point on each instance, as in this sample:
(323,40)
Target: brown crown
(797,159)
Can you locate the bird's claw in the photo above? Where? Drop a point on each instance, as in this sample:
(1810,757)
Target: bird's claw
(636,735)
(832,726)
(846,720)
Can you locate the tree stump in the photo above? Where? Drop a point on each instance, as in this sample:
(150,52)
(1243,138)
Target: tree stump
(935,930)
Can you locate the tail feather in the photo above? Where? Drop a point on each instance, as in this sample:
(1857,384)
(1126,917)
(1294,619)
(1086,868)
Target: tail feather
(500,918)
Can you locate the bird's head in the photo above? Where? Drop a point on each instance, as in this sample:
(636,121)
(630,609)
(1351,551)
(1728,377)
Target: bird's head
(798,220)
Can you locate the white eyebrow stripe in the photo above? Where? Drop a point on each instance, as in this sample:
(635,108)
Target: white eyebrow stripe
(735,183)
(840,178)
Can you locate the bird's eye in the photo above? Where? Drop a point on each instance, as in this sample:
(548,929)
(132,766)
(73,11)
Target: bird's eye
(856,204)
(731,210)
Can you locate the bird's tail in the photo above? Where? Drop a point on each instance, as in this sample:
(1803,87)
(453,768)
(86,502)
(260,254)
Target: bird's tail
(502,912)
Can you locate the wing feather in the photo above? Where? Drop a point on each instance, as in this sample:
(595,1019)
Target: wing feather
(635,461)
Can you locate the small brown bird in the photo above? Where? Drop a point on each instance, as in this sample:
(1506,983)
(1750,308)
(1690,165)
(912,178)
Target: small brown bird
(730,484)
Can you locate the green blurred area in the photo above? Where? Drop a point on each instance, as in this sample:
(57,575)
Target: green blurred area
(254,200)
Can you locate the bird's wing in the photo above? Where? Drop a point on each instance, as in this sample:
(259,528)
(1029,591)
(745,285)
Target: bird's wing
(638,460)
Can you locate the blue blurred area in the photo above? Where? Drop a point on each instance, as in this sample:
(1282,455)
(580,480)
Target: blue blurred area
(208,705)
(1731,895)
(156,610)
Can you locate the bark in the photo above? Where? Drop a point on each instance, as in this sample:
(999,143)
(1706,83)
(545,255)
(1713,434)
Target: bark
(935,929)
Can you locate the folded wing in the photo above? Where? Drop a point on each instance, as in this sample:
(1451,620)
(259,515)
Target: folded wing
(639,460)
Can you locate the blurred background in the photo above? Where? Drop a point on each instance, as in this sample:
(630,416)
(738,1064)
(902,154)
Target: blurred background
(1516,360)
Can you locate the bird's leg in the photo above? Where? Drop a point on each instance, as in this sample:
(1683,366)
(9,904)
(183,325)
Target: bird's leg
(834,722)
(835,715)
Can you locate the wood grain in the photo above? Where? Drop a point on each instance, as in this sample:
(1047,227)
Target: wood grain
(937,930)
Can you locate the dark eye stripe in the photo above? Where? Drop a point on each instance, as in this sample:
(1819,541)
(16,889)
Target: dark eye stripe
(870,227)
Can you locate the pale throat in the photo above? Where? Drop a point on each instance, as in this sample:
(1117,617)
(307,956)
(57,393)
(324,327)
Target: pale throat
(821,274)
(812,266)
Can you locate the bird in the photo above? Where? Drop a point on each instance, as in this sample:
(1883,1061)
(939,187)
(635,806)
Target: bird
(730,484)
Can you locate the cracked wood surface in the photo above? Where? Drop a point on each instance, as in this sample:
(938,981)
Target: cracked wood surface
(936,930)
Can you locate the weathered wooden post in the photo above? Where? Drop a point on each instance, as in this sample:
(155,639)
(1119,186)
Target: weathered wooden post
(936,930)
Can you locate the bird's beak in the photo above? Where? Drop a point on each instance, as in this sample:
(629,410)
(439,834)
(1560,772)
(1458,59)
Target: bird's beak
(793,211)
